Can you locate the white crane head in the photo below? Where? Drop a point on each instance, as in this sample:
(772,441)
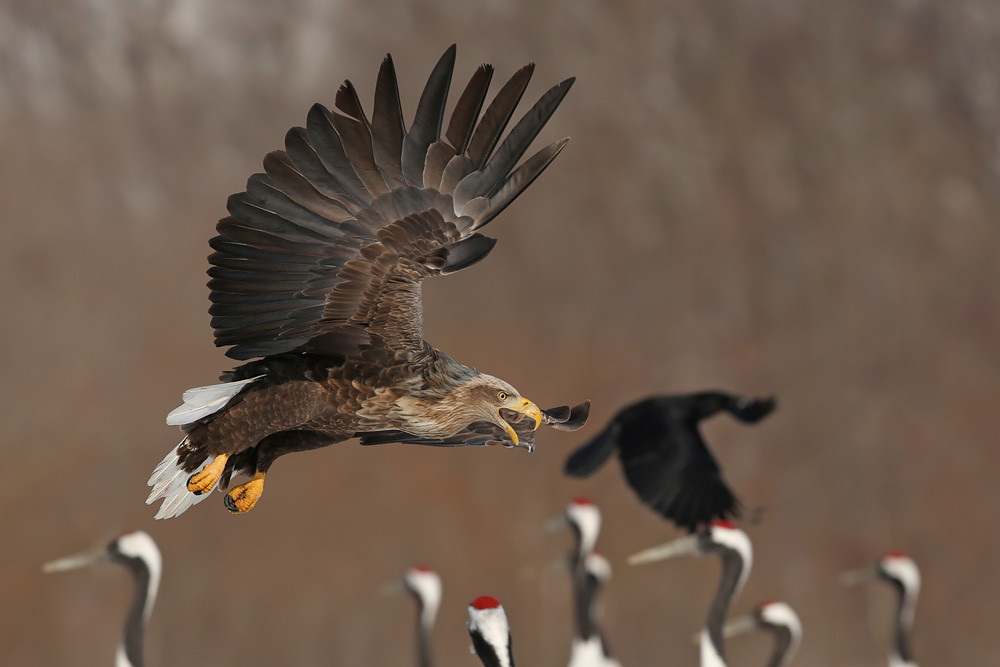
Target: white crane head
(902,573)
(778,614)
(138,553)
(127,546)
(774,616)
(732,546)
(490,631)
(897,566)
(770,613)
(584,518)
(718,538)
(131,550)
(899,569)
(893,566)
(425,584)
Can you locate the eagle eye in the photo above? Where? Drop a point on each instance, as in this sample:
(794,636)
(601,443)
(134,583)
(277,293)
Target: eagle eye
(502,395)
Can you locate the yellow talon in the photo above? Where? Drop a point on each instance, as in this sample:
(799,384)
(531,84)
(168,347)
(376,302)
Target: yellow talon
(243,497)
(206,479)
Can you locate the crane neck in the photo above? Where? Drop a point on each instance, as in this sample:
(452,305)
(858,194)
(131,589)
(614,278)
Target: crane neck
(490,654)
(585,588)
(730,582)
(782,646)
(902,650)
(427,594)
(423,644)
(130,651)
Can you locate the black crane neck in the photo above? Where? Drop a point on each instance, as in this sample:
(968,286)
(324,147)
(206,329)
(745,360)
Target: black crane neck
(423,631)
(423,636)
(423,642)
(906,601)
(729,581)
(782,644)
(423,646)
(135,622)
(489,654)
(585,589)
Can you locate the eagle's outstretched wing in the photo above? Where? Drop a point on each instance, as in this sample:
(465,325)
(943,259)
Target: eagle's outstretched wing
(326,250)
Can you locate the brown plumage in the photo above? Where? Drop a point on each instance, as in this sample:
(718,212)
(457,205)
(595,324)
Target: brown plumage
(317,271)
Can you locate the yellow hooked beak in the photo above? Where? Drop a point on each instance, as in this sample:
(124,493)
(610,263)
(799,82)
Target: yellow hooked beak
(526,408)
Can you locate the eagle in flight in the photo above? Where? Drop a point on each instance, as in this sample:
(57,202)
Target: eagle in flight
(315,284)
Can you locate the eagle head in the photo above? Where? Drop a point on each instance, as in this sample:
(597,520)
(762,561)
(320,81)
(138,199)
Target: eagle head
(490,397)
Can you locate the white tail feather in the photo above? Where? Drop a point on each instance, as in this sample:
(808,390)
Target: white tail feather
(202,401)
(169,481)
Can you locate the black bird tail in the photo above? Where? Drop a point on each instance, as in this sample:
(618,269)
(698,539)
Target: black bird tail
(591,456)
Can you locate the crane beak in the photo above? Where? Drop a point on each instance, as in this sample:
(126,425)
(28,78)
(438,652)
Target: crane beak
(855,577)
(392,588)
(739,626)
(76,561)
(682,546)
(556,523)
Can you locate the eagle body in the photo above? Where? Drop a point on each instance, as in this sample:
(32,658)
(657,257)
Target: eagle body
(316,279)
(306,393)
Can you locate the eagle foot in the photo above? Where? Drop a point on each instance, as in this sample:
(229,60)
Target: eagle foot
(205,480)
(243,497)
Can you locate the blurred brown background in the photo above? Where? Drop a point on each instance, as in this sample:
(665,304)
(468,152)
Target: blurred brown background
(763,196)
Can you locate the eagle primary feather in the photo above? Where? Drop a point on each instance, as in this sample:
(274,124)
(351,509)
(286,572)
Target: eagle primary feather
(316,281)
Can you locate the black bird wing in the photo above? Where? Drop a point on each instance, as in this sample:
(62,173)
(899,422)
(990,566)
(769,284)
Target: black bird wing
(665,459)
(326,250)
(678,478)
(592,455)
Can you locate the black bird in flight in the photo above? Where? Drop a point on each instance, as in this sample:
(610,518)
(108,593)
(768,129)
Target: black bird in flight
(664,457)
